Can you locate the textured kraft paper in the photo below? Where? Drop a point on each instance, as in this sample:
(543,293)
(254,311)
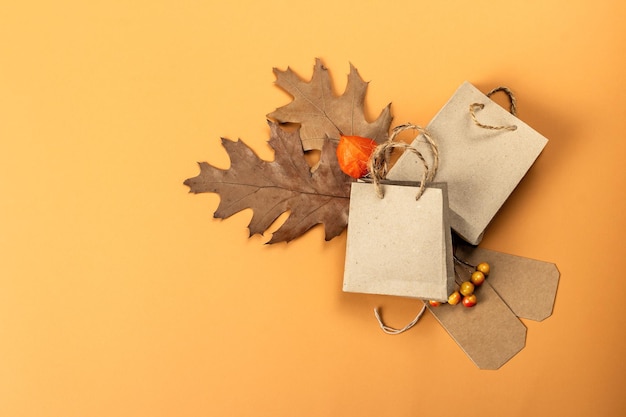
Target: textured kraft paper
(489,333)
(482,167)
(526,285)
(398,245)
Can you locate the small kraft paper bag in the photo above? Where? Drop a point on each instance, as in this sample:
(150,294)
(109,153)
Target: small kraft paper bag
(399,240)
(485,152)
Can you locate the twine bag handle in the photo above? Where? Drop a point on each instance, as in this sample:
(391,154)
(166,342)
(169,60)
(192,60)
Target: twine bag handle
(479,106)
(391,330)
(378,165)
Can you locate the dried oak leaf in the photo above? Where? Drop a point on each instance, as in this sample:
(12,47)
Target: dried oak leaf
(323,115)
(271,188)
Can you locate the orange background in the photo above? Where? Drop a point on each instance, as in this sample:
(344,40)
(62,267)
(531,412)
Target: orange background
(121,296)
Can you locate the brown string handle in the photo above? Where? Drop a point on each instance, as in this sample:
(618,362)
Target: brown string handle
(391,330)
(510,95)
(479,106)
(378,162)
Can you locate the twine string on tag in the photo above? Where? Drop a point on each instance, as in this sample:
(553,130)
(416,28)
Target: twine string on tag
(479,106)
(391,330)
(378,163)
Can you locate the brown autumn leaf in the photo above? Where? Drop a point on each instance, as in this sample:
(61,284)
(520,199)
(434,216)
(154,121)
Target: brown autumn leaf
(271,188)
(323,115)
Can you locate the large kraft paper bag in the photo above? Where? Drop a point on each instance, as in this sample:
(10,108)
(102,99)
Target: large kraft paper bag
(481,164)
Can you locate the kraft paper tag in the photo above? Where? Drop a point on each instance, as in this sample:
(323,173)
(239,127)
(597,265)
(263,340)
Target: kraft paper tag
(527,286)
(489,333)
(482,167)
(398,245)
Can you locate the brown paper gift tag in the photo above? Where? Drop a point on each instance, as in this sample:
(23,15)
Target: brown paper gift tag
(489,333)
(398,245)
(527,286)
(482,167)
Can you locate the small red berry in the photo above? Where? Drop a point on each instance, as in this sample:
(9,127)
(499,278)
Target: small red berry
(467,288)
(483,267)
(477,278)
(454,298)
(470,300)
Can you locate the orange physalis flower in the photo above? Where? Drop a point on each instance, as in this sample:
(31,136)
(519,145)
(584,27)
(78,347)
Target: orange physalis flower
(353,152)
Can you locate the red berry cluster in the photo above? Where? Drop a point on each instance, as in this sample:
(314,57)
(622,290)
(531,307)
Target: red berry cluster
(465,294)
